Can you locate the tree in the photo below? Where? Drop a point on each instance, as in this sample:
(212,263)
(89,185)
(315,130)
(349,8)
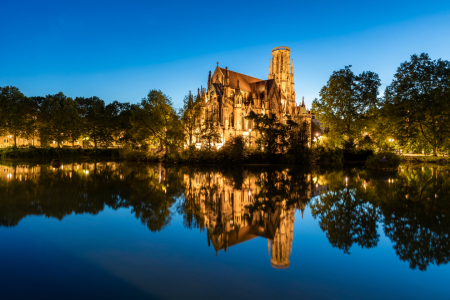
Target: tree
(299,138)
(97,122)
(272,133)
(13,111)
(73,124)
(154,118)
(209,133)
(417,103)
(31,126)
(190,117)
(59,119)
(119,121)
(345,102)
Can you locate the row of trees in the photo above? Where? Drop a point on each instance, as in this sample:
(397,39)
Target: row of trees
(413,114)
(58,118)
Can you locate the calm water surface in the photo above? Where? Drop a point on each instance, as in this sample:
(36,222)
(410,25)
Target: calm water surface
(131,231)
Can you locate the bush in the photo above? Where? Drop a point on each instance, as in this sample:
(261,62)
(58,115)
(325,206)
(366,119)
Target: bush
(393,161)
(130,154)
(358,155)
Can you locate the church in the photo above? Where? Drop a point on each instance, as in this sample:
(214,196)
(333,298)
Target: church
(230,96)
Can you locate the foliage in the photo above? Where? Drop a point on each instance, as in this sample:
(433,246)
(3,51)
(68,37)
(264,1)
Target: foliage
(272,133)
(345,103)
(15,112)
(129,154)
(418,103)
(190,117)
(98,122)
(209,132)
(58,119)
(375,161)
(154,118)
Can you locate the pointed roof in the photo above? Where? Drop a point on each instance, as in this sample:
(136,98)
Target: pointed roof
(244,80)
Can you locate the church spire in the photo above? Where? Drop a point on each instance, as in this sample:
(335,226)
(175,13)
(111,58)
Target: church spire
(209,79)
(303,101)
(190,102)
(198,95)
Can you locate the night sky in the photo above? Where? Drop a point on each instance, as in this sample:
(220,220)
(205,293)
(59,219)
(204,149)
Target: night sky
(119,50)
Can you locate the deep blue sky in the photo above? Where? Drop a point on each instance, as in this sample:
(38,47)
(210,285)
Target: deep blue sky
(119,50)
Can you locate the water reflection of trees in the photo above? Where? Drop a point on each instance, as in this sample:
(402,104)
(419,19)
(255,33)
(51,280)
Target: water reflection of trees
(234,205)
(345,214)
(412,206)
(87,188)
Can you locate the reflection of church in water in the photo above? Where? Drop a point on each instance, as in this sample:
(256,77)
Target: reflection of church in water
(235,215)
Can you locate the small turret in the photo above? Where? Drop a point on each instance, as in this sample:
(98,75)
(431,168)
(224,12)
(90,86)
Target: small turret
(227,77)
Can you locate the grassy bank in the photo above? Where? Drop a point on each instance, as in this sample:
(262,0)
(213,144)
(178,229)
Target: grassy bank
(33,153)
(234,154)
(426,159)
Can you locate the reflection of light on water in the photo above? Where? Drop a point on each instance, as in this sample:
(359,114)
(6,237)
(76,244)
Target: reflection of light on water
(86,172)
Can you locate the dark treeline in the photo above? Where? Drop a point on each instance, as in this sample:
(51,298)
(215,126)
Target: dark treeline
(412,116)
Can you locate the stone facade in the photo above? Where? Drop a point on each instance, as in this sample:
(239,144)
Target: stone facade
(230,96)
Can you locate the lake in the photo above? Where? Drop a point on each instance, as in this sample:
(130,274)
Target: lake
(111,230)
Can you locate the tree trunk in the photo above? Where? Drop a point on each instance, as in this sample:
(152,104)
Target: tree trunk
(15,141)
(165,145)
(160,145)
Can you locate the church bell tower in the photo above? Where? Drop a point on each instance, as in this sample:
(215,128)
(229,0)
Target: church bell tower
(281,69)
